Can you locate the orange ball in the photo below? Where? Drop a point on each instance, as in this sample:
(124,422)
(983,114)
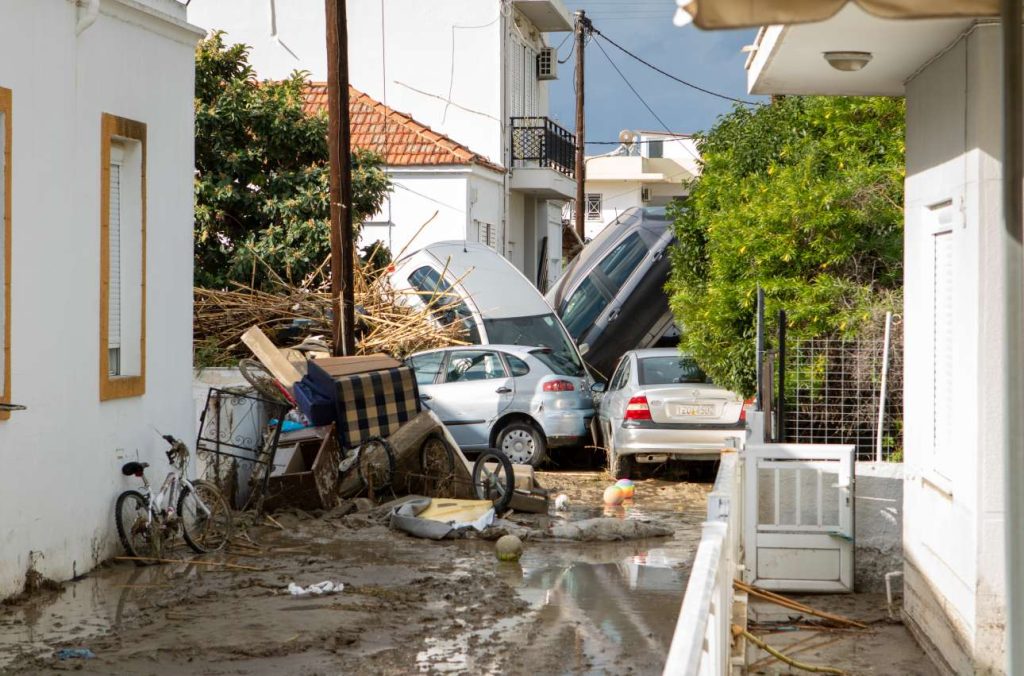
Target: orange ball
(613,495)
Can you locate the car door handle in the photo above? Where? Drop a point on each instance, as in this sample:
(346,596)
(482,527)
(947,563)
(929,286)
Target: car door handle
(426,397)
(613,315)
(503,390)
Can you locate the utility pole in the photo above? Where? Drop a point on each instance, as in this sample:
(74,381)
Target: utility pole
(581,30)
(342,274)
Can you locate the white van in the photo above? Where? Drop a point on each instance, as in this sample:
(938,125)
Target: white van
(498,304)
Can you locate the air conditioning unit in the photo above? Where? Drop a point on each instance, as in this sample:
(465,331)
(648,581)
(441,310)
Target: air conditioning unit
(547,64)
(645,195)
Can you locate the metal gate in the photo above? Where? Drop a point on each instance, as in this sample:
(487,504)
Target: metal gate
(799,521)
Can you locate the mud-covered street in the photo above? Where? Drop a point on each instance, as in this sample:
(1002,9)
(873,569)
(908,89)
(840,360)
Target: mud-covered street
(409,605)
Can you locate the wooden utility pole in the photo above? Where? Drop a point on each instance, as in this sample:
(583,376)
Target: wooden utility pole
(581,29)
(342,274)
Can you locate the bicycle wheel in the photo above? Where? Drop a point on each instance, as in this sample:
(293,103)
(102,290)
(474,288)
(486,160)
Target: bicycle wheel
(437,457)
(204,532)
(376,465)
(493,478)
(139,536)
(265,384)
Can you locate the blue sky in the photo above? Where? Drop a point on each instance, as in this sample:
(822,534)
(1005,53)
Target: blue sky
(711,59)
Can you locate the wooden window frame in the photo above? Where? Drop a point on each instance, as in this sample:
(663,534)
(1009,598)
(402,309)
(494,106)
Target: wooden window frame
(6,107)
(119,387)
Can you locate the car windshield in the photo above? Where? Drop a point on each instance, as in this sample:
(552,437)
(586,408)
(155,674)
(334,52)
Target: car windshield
(542,331)
(448,308)
(669,370)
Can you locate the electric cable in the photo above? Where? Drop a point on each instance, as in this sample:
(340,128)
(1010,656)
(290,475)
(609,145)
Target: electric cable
(670,75)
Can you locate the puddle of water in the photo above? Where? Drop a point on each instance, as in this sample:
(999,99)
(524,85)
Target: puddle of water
(594,607)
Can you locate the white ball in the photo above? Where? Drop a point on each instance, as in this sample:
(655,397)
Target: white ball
(508,548)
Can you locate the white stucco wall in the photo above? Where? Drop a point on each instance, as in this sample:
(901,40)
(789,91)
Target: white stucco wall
(954,510)
(62,456)
(459,196)
(616,197)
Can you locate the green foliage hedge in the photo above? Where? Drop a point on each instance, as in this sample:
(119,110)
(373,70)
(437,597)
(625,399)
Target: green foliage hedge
(804,197)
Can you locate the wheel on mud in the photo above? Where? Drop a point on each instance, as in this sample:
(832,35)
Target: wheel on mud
(620,466)
(522,443)
(139,536)
(494,479)
(261,380)
(376,465)
(204,532)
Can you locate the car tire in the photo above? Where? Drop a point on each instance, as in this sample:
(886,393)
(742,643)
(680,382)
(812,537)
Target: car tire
(620,466)
(522,443)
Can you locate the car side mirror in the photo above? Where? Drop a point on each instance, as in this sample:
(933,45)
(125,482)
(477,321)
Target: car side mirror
(598,388)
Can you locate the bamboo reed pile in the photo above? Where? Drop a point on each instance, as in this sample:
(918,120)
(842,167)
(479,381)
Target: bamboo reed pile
(385,323)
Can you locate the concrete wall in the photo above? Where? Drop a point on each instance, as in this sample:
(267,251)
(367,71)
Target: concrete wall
(616,197)
(62,456)
(878,524)
(953,522)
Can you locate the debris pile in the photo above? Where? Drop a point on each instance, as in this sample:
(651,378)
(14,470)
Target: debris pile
(385,323)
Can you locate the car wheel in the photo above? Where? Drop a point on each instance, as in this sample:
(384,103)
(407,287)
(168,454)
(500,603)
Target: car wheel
(620,466)
(522,443)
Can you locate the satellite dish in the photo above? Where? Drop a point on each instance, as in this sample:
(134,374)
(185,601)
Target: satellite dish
(627,137)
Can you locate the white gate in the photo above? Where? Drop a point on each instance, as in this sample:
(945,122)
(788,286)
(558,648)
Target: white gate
(798,525)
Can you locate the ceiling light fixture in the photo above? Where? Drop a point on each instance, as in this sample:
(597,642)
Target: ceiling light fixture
(847,61)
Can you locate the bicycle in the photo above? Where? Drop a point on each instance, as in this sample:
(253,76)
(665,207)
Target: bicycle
(146,520)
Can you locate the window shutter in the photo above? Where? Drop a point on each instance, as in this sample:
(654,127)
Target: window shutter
(942,351)
(114,293)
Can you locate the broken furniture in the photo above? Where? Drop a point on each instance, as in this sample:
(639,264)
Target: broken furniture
(306,473)
(237,442)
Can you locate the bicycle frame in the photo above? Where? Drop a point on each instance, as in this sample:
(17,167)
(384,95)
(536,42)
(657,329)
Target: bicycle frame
(166,497)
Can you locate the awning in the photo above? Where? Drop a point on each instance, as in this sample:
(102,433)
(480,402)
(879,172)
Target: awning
(712,14)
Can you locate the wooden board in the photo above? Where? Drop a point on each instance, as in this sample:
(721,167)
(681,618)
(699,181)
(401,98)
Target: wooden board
(271,357)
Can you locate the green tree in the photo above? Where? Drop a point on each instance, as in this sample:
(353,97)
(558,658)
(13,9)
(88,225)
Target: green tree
(803,197)
(262,174)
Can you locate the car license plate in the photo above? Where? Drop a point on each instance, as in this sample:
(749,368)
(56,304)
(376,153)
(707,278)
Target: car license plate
(700,410)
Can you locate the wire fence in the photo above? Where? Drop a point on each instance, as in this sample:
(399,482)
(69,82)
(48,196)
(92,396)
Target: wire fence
(832,394)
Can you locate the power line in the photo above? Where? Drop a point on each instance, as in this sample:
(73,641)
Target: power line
(646,105)
(668,75)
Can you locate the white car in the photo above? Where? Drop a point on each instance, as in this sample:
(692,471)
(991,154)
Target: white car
(519,399)
(659,405)
(493,300)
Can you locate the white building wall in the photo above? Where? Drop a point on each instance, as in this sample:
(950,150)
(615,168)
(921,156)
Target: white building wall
(455,201)
(62,456)
(953,506)
(616,197)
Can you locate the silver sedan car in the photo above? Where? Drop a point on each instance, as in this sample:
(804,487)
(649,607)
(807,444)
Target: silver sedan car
(659,405)
(523,400)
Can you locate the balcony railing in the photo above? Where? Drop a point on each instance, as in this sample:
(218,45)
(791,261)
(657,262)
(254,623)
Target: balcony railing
(539,142)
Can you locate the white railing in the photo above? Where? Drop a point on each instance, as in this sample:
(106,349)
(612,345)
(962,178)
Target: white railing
(701,645)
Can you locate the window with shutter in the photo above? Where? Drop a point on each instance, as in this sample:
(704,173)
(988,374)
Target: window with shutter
(122,258)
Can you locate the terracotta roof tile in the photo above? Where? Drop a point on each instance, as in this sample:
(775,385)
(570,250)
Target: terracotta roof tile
(401,140)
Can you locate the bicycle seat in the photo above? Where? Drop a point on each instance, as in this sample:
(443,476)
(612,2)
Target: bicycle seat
(136,468)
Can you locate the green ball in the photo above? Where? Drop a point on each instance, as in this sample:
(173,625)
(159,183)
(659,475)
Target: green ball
(508,548)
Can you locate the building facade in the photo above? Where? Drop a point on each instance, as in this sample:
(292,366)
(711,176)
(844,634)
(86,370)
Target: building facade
(474,71)
(954,285)
(96,141)
(651,170)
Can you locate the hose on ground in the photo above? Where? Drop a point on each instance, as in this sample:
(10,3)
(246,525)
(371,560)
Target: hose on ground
(740,631)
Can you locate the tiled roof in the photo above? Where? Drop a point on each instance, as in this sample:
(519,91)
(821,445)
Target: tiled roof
(406,143)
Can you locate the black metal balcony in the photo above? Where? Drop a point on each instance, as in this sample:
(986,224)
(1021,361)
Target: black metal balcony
(539,142)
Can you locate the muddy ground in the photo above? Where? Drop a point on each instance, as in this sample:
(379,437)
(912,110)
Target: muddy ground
(409,605)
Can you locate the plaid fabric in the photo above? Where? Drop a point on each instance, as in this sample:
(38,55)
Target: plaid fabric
(375,404)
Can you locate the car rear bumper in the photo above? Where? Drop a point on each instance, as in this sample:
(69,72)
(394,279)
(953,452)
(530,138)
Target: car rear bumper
(690,441)
(565,427)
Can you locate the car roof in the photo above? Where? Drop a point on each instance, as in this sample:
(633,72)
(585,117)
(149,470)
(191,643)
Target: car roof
(496,287)
(518,350)
(658,352)
(632,219)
